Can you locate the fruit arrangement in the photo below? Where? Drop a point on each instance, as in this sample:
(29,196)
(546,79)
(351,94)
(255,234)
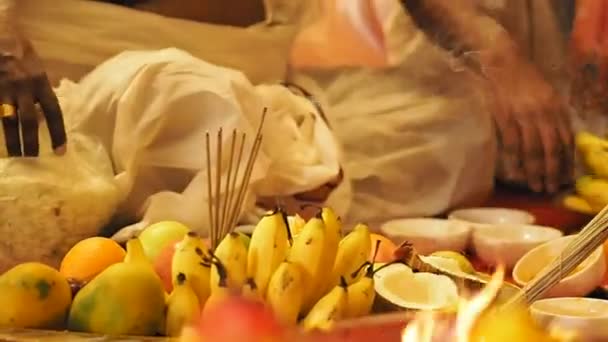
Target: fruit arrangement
(591,190)
(290,273)
(169,276)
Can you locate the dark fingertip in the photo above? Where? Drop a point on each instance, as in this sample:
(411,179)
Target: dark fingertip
(60,150)
(52,111)
(12,138)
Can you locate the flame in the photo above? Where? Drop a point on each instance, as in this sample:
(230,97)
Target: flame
(426,328)
(421,329)
(470,310)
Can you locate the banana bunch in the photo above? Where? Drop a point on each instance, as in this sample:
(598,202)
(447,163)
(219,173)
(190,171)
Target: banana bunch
(591,190)
(306,271)
(320,280)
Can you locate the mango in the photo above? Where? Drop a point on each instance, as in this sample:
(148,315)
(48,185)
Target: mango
(126,298)
(34,295)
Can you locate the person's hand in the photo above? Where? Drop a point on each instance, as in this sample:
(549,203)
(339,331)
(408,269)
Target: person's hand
(24,87)
(536,140)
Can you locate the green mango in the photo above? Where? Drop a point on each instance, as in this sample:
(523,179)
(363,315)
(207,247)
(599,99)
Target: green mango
(126,298)
(34,295)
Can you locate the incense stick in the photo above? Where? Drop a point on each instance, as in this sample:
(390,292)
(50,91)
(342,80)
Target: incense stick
(227,189)
(224,208)
(209,196)
(591,237)
(248,170)
(218,184)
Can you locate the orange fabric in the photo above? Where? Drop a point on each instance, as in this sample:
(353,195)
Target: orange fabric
(588,29)
(345,33)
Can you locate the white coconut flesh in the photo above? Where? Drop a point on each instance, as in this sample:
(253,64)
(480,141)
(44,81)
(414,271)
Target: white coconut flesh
(419,291)
(447,265)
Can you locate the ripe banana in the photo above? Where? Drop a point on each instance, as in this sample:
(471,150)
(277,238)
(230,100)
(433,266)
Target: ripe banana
(191,258)
(296,223)
(182,307)
(594,150)
(307,252)
(327,310)
(361,295)
(579,204)
(333,234)
(593,190)
(267,249)
(353,252)
(286,292)
(250,291)
(597,161)
(232,253)
(586,141)
(220,290)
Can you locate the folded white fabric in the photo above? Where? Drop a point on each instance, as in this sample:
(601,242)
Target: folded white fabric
(151,110)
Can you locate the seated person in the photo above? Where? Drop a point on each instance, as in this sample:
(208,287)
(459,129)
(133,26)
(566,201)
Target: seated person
(418,132)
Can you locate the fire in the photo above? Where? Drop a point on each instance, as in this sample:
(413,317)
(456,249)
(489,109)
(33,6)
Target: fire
(426,328)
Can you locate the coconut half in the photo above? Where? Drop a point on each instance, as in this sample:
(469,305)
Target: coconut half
(399,288)
(467,283)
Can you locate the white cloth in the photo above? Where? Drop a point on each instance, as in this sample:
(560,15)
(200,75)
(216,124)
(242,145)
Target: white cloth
(417,136)
(151,110)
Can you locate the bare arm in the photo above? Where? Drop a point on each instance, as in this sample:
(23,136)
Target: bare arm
(459,26)
(532,126)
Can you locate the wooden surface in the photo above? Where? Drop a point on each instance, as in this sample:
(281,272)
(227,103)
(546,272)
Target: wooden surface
(63,336)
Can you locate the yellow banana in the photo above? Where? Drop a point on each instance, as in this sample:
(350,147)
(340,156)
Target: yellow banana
(596,161)
(286,292)
(327,310)
(361,295)
(333,234)
(579,204)
(183,307)
(191,258)
(220,290)
(250,291)
(593,190)
(232,253)
(307,252)
(267,249)
(594,151)
(353,252)
(296,223)
(586,141)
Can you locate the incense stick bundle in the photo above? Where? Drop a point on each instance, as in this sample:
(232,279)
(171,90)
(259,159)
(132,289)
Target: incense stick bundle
(591,237)
(225,206)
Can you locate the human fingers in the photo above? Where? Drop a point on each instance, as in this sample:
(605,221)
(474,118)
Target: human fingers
(508,137)
(29,123)
(52,112)
(566,138)
(551,150)
(533,154)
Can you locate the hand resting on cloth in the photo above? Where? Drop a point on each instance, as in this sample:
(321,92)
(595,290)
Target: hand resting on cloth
(151,110)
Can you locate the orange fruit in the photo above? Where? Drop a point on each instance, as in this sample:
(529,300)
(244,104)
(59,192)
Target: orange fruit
(89,257)
(385,249)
